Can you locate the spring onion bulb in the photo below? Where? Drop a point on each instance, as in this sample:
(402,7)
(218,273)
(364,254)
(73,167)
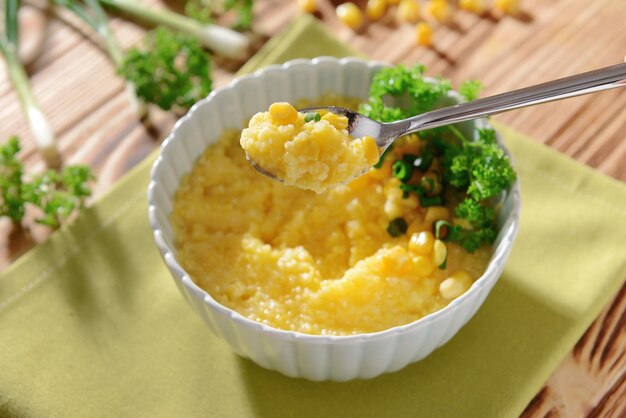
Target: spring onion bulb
(38,123)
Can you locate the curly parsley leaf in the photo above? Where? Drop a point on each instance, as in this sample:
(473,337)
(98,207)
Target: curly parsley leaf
(57,194)
(401,92)
(477,214)
(470,89)
(481,167)
(478,169)
(471,239)
(171,71)
(11,170)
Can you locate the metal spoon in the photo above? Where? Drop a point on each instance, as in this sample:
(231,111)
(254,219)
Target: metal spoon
(386,133)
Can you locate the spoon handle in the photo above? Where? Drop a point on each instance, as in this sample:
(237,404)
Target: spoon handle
(585,83)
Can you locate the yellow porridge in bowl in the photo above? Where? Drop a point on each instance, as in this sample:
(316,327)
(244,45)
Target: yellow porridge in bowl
(311,151)
(357,258)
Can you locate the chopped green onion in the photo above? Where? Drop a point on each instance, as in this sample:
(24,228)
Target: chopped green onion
(427,201)
(312,116)
(428,184)
(442,229)
(424,161)
(39,126)
(443,265)
(397,227)
(402,170)
(410,159)
(407,188)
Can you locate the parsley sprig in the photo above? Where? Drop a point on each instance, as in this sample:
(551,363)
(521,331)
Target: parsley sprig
(413,94)
(172,70)
(56,194)
(474,171)
(480,166)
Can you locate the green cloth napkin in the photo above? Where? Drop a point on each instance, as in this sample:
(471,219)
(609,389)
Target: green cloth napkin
(91,323)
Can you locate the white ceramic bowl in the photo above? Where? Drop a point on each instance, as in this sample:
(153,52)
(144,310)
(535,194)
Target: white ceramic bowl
(313,357)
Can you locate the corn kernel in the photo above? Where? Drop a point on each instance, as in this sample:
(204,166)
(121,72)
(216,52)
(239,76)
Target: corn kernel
(393,209)
(360,183)
(507,6)
(455,285)
(464,277)
(440,252)
(370,150)
(395,261)
(392,189)
(413,140)
(338,121)
(474,6)
(422,266)
(439,10)
(436,213)
(350,15)
(411,202)
(283,113)
(408,11)
(375,9)
(421,243)
(450,289)
(308,6)
(416,226)
(392,2)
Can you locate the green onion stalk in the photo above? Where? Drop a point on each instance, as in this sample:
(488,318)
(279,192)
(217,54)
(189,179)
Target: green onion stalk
(94,15)
(36,119)
(222,41)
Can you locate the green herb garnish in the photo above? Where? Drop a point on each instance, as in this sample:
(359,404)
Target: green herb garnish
(11,170)
(443,265)
(424,161)
(470,89)
(171,71)
(312,116)
(429,185)
(427,201)
(482,220)
(477,214)
(479,167)
(412,93)
(473,170)
(379,164)
(402,170)
(442,229)
(397,227)
(56,194)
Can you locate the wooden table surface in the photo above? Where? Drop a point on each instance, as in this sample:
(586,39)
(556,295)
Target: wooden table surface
(77,87)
